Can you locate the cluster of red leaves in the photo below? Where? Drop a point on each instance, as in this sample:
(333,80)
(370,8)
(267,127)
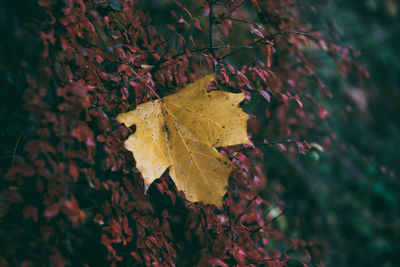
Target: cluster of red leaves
(77,186)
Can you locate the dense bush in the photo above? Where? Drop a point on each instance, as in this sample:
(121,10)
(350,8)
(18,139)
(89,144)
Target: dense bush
(71,193)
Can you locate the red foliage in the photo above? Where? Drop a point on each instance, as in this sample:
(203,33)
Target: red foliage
(78,188)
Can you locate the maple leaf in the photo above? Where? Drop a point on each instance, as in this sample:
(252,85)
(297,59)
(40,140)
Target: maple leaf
(181,132)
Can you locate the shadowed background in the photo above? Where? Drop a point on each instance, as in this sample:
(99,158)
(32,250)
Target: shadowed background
(349,194)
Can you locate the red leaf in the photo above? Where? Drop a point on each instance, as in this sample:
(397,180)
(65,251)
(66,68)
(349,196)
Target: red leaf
(123,67)
(323,113)
(225,28)
(51,211)
(172,196)
(197,23)
(83,134)
(265,95)
(217,262)
(206,11)
(299,102)
(285,99)
(302,148)
(73,170)
(151,241)
(187,11)
(70,206)
(30,212)
(291,83)
(242,79)
(225,76)
(308,255)
(282,148)
(83,7)
(256,31)
(184,21)
(76,88)
(136,256)
(99,219)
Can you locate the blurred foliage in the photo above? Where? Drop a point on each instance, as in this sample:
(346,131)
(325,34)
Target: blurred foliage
(348,195)
(16,58)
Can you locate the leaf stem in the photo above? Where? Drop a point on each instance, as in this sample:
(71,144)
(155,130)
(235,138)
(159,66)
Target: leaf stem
(153,92)
(15,150)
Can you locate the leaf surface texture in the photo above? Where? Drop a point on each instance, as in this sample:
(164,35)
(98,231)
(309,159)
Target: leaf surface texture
(181,132)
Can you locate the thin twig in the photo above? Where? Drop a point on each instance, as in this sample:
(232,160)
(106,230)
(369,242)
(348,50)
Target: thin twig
(197,50)
(15,150)
(154,92)
(117,60)
(275,218)
(269,144)
(278,142)
(267,38)
(241,48)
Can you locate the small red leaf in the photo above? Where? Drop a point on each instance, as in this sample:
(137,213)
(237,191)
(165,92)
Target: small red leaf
(122,67)
(73,170)
(323,113)
(184,21)
(187,11)
(265,95)
(282,148)
(299,102)
(242,79)
(302,148)
(256,31)
(197,23)
(83,6)
(206,11)
(285,99)
(30,212)
(136,256)
(51,211)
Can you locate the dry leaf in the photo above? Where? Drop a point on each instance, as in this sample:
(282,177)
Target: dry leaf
(181,132)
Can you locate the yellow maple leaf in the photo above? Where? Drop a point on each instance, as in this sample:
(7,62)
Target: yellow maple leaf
(181,132)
